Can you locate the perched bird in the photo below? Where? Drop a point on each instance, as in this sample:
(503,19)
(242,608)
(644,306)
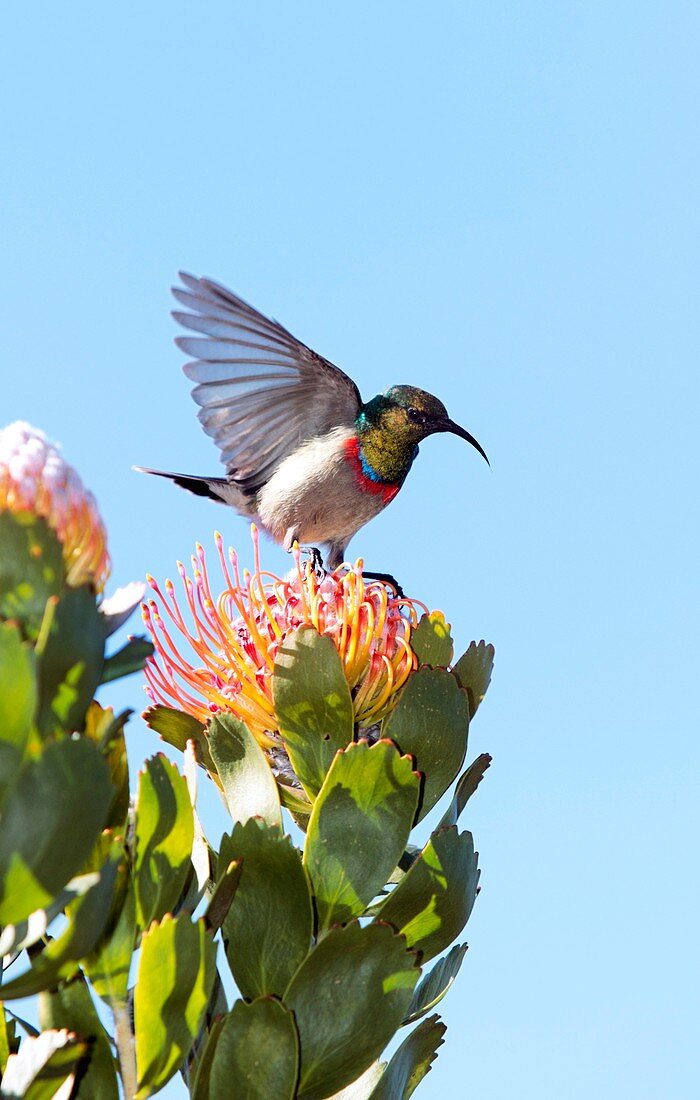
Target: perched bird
(304,455)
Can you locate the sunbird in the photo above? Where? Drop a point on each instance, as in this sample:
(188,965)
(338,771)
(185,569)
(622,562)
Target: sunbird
(305,456)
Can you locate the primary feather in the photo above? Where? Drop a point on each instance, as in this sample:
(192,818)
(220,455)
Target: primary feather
(261,392)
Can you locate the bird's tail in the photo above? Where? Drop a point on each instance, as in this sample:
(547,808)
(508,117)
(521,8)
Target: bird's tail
(215,488)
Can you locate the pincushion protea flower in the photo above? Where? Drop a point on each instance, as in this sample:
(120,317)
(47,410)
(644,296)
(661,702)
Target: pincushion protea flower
(35,478)
(235,637)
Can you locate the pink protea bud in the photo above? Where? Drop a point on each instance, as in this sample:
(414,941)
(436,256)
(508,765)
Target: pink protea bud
(233,637)
(35,478)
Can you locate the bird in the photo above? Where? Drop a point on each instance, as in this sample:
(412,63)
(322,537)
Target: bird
(305,457)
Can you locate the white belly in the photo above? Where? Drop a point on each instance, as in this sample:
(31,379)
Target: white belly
(314,494)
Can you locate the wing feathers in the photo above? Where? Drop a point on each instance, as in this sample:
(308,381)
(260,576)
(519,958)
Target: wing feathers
(213,326)
(225,395)
(261,391)
(209,373)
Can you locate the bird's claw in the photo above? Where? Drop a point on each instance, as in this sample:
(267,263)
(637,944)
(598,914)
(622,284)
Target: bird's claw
(386,578)
(315,560)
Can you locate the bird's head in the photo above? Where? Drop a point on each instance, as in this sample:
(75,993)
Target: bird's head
(411,414)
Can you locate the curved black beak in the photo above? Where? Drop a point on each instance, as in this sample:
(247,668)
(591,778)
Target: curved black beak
(447,425)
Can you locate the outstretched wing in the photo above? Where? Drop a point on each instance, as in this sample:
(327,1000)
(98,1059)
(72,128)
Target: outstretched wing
(261,391)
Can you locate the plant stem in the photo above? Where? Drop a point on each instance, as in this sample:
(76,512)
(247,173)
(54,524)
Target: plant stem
(126,1047)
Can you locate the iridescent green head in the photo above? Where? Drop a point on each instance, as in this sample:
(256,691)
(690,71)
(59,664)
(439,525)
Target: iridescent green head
(392,425)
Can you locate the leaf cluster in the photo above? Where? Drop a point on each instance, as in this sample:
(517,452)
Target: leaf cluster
(117,911)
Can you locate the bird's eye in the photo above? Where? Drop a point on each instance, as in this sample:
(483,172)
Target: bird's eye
(416,415)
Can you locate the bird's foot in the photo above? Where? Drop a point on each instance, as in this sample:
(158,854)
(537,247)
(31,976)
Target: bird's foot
(386,578)
(315,560)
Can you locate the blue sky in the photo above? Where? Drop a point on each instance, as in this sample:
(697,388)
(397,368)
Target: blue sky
(496,202)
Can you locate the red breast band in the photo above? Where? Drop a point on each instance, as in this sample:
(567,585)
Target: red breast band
(387,489)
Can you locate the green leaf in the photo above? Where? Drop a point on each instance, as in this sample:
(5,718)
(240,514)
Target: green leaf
(200,1089)
(473,670)
(51,817)
(431,721)
(107,732)
(248,783)
(70,660)
(412,1061)
(222,896)
(108,965)
(312,703)
(257,1053)
(71,1006)
(359,827)
(163,831)
(130,658)
(173,985)
(198,1067)
(433,987)
(176,728)
(434,900)
(348,997)
(101,725)
(17,699)
(431,641)
(87,919)
(363,1087)
(267,931)
(294,800)
(466,785)
(45,1068)
(7,1039)
(31,569)
(18,937)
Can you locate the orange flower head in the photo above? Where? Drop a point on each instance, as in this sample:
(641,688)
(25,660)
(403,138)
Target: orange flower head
(34,477)
(234,637)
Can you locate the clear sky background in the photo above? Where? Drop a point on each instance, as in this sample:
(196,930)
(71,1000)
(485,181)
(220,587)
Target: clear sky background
(498,202)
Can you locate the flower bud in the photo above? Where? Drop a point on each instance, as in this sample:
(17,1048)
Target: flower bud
(35,478)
